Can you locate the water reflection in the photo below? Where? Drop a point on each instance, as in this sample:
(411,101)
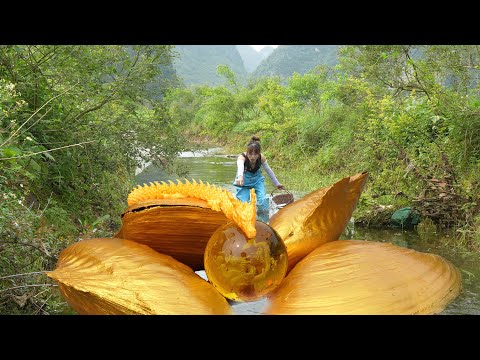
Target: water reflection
(213,167)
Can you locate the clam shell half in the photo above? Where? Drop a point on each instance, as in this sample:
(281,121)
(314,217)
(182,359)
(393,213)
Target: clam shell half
(116,276)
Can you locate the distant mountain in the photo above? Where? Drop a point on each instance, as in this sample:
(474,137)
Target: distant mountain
(266,51)
(251,57)
(197,64)
(287,59)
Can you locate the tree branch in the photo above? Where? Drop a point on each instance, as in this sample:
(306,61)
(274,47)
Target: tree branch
(45,151)
(111,96)
(24,286)
(415,73)
(40,108)
(16,275)
(96,107)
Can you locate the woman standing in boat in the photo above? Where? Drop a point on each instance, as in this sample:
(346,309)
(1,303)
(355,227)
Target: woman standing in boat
(249,175)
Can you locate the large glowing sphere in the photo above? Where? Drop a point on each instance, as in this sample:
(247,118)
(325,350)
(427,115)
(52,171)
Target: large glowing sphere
(242,268)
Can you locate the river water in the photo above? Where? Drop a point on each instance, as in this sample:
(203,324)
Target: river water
(216,168)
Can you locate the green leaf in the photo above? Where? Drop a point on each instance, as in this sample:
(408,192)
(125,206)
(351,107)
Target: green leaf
(100,220)
(11,151)
(48,156)
(34,165)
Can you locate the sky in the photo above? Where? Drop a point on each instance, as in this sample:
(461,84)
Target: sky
(260,47)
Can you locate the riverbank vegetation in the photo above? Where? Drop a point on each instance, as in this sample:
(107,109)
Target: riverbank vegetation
(76,121)
(408,115)
(72,122)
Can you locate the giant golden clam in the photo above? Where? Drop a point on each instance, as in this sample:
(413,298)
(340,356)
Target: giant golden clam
(179,219)
(325,275)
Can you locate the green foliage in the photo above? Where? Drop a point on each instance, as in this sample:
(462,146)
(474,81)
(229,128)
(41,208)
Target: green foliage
(306,91)
(218,111)
(229,75)
(272,100)
(404,113)
(75,121)
(29,244)
(59,220)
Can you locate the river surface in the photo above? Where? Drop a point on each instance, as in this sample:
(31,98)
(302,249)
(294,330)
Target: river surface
(215,168)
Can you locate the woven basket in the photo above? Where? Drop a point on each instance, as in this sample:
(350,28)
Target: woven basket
(281,200)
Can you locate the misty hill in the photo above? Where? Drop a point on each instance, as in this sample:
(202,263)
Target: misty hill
(266,51)
(252,58)
(197,64)
(287,59)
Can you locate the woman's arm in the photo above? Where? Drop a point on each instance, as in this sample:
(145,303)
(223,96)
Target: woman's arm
(270,173)
(240,169)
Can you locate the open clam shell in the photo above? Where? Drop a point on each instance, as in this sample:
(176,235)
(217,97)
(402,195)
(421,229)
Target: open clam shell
(365,277)
(117,276)
(317,218)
